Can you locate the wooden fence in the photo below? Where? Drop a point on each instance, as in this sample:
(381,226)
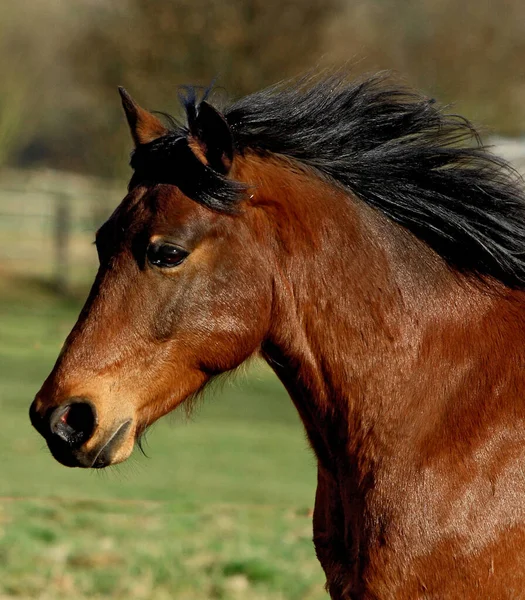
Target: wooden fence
(48,222)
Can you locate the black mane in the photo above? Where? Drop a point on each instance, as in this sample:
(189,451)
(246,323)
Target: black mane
(400,153)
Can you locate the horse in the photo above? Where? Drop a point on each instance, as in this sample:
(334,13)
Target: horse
(371,249)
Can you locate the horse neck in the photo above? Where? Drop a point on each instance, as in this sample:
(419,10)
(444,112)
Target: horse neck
(383,349)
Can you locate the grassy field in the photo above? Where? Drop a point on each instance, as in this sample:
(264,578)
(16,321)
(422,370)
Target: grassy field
(221,509)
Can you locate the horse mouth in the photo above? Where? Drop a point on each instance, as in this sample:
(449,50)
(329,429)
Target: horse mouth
(99,457)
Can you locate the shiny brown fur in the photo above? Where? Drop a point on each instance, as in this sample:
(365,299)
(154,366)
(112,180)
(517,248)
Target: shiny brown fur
(408,377)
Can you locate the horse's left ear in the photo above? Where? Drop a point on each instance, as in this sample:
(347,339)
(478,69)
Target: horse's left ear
(144,126)
(210,137)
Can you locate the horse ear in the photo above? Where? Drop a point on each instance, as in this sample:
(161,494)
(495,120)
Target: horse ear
(144,126)
(210,137)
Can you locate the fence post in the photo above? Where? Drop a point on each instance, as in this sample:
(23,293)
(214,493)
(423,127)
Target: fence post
(62,235)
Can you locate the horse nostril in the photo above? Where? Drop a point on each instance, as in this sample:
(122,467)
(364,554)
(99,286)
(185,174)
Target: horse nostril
(73,423)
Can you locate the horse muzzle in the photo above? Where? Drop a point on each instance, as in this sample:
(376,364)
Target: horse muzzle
(75,436)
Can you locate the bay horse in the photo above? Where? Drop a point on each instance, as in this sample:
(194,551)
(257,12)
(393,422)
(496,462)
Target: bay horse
(363,242)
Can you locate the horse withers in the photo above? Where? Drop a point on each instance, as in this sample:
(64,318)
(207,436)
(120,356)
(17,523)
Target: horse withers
(368,247)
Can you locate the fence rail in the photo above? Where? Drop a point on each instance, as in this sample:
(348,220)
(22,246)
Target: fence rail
(47,224)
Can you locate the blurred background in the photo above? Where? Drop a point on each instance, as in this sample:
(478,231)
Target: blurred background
(222,508)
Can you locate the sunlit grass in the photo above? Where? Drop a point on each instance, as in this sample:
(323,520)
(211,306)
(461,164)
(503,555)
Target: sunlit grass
(69,549)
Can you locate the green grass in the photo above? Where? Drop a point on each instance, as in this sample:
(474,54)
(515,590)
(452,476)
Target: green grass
(98,549)
(219,510)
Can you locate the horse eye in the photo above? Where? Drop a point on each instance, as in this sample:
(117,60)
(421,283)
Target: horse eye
(165,255)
